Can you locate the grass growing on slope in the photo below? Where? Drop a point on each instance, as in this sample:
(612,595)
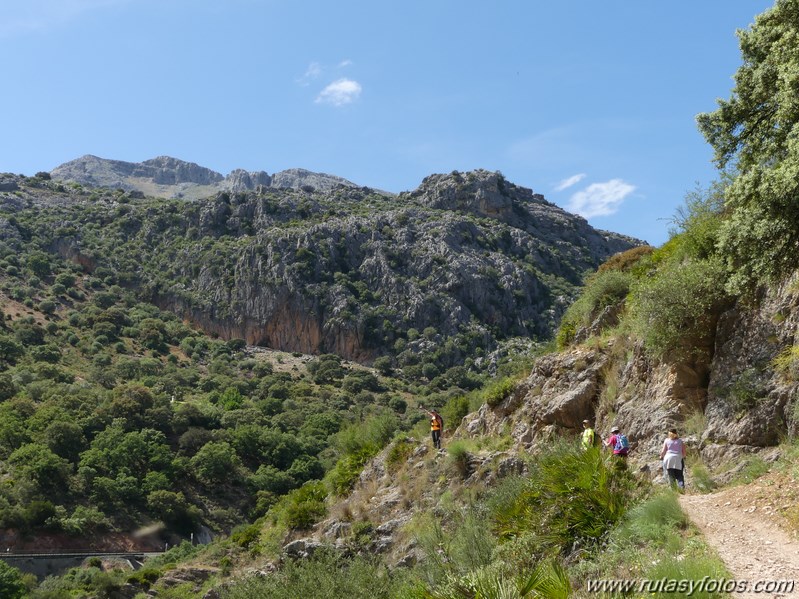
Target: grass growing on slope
(654,541)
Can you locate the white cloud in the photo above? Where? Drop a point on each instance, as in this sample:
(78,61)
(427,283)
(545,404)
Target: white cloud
(313,71)
(339,93)
(569,182)
(600,199)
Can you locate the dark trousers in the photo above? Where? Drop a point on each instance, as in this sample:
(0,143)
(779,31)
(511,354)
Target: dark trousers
(436,439)
(676,475)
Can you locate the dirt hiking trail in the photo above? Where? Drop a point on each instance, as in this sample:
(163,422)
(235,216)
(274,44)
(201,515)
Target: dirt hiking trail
(747,528)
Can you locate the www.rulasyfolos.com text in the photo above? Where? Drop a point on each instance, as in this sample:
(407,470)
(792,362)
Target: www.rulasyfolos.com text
(689,587)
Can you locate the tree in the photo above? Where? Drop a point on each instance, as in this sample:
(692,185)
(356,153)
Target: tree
(7,386)
(383,365)
(65,439)
(756,131)
(10,350)
(46,470)
(11,582)
(215,463)
(39,264)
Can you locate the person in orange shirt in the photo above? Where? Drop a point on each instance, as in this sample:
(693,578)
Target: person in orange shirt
(436,427)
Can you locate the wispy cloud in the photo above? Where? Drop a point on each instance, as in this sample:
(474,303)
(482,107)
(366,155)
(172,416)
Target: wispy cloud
(313,72)
(569,182)
(600,199)
(18,17)
(339,93)
(344,63)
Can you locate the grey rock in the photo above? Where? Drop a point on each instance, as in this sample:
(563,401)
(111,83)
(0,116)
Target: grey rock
(337,529)
(298,178)
(408,560)
(241,180)
(510,466)
(8,183)
(302,548)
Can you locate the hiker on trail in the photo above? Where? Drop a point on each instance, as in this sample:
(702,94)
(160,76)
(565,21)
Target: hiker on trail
(618,443)
(589,437)
(436,426)
(673,456)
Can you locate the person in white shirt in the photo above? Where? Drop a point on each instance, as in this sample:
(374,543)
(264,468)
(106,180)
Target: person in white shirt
(673,456)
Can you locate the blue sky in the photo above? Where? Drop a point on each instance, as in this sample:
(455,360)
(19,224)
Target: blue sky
(590,103)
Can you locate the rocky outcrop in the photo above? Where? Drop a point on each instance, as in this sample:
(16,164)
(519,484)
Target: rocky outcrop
(480,192)
(8,183)
(165,170)
(298,178)
(241,180)
(165,176)
(92,171)
(744,390)
(751,397)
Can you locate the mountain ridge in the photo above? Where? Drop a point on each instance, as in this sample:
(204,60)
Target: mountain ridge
(168,177)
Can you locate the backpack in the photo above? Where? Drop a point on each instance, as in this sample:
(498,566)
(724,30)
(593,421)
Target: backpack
(622,444)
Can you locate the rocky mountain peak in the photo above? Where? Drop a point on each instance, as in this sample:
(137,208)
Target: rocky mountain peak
(166,170)
(165,176)
(481,192)
(298,177)
(241,180)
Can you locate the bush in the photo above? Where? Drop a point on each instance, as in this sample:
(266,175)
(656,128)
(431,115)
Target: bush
(654,518)
(399,452)
(571,497)
(674,569)
(322,577)
(215,462)
(602,289)
(347,470)
(303,507)
(627,260)
(458,458)
(383,365)
(246,536)
(455,410)
(699,220)
(497,391)
(675,312)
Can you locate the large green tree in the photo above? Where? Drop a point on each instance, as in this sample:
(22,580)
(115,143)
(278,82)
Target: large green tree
(756,134)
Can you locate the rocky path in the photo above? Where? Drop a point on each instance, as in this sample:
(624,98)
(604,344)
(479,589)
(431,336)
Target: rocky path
(743,525)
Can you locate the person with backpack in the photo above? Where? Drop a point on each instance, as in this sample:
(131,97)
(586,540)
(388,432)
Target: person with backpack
(589,437)
(436,427)
(673,455)
(618,443)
